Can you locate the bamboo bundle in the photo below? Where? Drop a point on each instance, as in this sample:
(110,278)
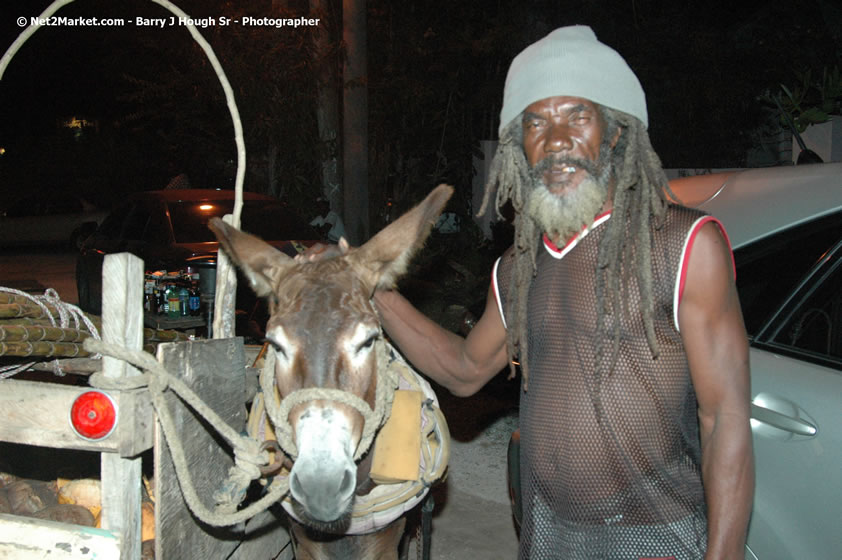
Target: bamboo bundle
(54,342)
(153,335)
(45,322)
(14,310)
(27,330)
(8,297)
(43,349)
(14,306)
(35,333)
(79,366)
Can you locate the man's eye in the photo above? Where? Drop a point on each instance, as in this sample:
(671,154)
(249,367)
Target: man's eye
(532,122)
(581,119)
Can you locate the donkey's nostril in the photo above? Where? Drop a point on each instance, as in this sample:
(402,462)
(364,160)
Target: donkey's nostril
(295,485)
(348,483)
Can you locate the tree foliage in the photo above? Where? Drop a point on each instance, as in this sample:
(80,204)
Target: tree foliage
(177,97)
(435,79)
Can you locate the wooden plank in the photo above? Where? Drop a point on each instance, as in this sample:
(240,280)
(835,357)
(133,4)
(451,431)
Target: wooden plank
(22,538)
(214,369)
(122,324)
(135,423)
(266,539)
(36,413)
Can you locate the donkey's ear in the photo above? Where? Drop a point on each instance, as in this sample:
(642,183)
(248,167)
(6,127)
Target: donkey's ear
(386,256)
(260,262)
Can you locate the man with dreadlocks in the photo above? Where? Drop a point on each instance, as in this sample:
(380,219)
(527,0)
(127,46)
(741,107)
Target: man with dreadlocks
(622,311)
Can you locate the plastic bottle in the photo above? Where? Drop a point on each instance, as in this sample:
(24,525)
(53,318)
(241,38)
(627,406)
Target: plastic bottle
(184,301)
(174,309)
(195,302)
(149,296)
(165,300)
(159,300)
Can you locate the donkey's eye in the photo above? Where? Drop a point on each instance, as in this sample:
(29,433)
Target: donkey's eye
(277,347)
(368,343)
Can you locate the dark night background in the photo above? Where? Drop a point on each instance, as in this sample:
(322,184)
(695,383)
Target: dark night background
(435,79)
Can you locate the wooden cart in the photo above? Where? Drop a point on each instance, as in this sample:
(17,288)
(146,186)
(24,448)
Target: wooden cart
(38,413)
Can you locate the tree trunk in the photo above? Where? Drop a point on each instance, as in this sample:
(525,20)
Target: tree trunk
(272,172)
(355,122)
(327,106)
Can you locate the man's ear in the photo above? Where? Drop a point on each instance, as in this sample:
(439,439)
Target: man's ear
(616,138)
(261,263)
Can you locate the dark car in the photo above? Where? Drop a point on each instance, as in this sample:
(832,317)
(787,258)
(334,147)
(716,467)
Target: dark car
(168,230)
(51,218)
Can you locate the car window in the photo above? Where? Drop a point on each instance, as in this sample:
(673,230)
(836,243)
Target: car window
(135,224)
(190,219)
(815,327)
(112,226)
(157,230)
(770,269)
(275,222)
(267,220)
(63,204)
(29,206)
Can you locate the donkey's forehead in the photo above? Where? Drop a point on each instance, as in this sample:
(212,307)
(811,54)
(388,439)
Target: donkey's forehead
(332,296)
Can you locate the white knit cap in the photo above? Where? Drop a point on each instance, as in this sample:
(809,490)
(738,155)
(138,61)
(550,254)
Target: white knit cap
(570,61)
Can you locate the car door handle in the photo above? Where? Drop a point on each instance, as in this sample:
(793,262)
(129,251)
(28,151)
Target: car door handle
(797,426)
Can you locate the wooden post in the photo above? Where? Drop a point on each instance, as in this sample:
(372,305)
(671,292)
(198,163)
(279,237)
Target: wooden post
(122,324)
(224,307)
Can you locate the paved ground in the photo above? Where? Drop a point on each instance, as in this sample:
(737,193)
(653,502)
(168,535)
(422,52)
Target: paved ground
(36,270)
(472,518)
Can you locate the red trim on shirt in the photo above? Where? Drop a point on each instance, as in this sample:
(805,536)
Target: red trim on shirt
(552,246)
(686,261)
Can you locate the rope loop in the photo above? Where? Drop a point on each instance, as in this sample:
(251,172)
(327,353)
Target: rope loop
(248,457)
(278,412)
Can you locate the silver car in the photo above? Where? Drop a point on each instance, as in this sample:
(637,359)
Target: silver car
(48,218)
(785,225)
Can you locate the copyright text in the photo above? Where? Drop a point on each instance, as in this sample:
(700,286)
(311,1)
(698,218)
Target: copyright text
(171,21)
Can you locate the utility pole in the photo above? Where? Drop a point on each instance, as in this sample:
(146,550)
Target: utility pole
(355,121)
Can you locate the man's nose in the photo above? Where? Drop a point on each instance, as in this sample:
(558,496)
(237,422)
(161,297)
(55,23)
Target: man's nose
(558,138)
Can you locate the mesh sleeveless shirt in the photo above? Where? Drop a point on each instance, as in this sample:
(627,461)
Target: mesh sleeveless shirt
(625,482)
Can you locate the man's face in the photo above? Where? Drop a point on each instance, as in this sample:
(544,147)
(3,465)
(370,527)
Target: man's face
(563,138)
(568,130)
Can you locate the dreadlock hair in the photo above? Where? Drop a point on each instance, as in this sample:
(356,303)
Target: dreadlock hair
(640,196)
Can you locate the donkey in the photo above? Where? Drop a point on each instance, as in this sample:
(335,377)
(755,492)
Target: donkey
(322,330)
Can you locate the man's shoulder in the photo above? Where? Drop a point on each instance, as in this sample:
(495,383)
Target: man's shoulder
(508,254)
(675,208)
(680,218)
(503,270)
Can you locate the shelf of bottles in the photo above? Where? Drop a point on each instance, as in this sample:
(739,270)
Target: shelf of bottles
(173,300)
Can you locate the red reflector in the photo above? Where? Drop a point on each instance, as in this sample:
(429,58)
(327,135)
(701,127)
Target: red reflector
(93,415)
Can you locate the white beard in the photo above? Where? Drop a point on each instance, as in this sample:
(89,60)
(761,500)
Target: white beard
(563,216)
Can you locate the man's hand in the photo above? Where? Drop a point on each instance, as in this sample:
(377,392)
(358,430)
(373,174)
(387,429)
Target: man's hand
(321,251)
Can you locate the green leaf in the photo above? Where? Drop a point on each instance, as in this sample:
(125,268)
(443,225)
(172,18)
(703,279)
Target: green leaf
(814,115)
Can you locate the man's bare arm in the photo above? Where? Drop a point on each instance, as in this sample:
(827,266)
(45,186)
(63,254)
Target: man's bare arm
(717,350)
(462,365)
